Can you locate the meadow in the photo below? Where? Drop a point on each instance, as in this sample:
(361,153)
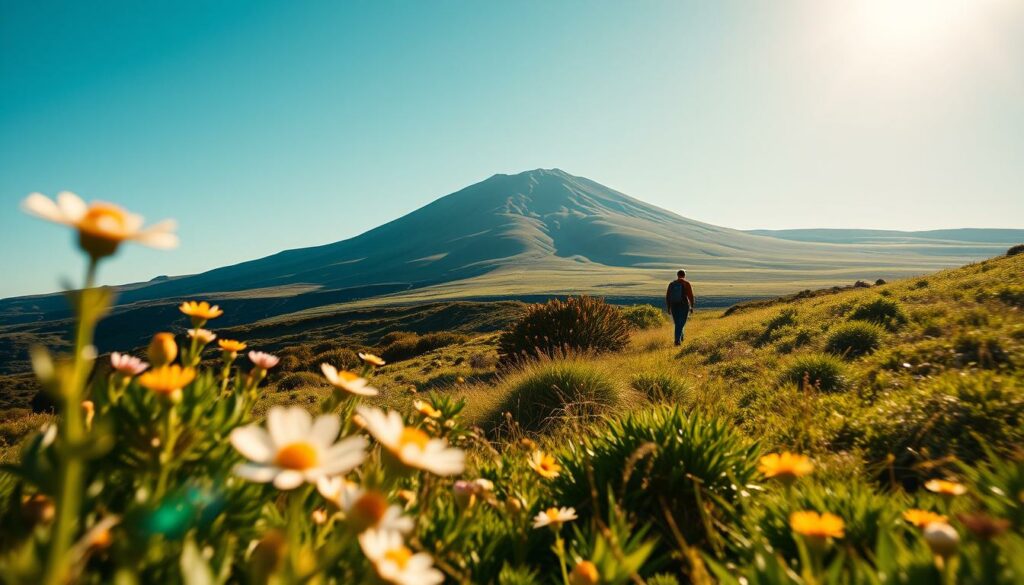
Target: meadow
(863,435)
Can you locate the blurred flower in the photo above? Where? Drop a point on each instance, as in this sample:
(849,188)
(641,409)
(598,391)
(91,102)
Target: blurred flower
(945,488)
(90,412)
(554,517)
(231,345)
(371,359)
(942,538)
(162,349)
(464,492)
(411,446)
(38,509)
(294,448)
(408,497)
(364,508)
(101,226)
(785,467)
(983,526)
(584,573)
(395,563)
(816,528)
(426,409)
(347,381)
(460,380)
(167,380)
(319,516)
(545,465)
(528,443)
(200,312)
(127,365)
(922,518)
(263,360)
(203,336)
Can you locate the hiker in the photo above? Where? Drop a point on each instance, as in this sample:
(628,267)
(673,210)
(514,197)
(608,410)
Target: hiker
(679,302)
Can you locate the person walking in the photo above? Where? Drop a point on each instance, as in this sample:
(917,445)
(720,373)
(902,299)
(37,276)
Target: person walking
(680,302)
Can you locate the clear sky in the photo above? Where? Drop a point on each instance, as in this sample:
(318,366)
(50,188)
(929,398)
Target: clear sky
(262,126)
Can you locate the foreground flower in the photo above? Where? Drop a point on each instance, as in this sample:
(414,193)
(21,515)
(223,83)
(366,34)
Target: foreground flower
(167,380)
(231,345)
(363,508)
(426,409)
(584,573)
(945,488)
(411,446)
(817,528)
(200,312)
(785,467)
(162,349)
(347,381)
(294,448)
(127,365)
(395,563)
(554,517)
(263,360)
(942,538)
(202,336)
(101,226)
(922,518)
(371,359)
(545,465)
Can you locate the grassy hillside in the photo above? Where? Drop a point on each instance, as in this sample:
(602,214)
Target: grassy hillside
(661,451)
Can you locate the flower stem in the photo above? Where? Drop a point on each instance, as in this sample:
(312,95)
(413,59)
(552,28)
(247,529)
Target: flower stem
(560,551)
(169,439)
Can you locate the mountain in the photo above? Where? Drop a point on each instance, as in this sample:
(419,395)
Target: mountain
(527,235)
(969,241)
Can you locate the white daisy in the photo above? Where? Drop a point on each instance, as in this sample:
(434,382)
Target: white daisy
(203,336)
(554,517)
(347,381)
(294,448)
(411,446)
(394,561)
(263,360)
(363,508)
(127,365)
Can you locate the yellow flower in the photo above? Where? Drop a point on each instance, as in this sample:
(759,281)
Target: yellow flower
(371,359)
(167,380)
(816,528)
(426,409)
(945,488)
(200,312)
(922,518)
(162,349)
(545,465)
(231,347)
(785,467)
(584,573)
(101,226)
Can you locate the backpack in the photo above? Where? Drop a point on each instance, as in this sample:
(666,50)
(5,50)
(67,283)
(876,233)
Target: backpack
(676,292)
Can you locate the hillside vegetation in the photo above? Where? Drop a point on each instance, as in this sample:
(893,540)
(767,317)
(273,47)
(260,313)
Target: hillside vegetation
(866,435)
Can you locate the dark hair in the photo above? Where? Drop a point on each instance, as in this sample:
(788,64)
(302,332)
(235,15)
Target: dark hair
(681,273)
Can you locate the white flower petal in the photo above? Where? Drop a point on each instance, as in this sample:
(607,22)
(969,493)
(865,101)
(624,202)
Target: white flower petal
(71,206)
(253,443)
(288,479)
(288,424)
(42,206)
(160,235)
(330,372)
(344,456)
(385,427)
(256,472)
(325,429)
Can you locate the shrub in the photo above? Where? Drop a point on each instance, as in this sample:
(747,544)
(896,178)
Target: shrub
(1014,250)
(854,339)
(393,336)
(483,361)
(556,327)
(342,358)
(558,390)
(881,311)
(825,371)
(411,345)
(294,380)
(924,427)
(643,316)
(663,460)
(773,327)
(660,387)
(880,282)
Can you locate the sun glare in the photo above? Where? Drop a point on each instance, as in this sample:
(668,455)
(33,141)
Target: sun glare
(910,25)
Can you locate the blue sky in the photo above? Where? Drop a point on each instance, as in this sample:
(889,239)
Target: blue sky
(262,126)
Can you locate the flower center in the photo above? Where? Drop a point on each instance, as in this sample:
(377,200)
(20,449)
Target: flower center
(369,509)
(411,436)
(104,221)
(297,456)
(348,376)
(400,556)
(552,514)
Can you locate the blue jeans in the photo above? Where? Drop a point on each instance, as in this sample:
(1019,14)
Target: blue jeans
(680,311)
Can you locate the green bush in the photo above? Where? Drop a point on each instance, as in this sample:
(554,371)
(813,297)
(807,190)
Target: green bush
(773,328)
(1014,250)
(824,371)
(558,327)
(951,417)
(562,390)
(294,380)
(410,345)
(882,311)
(643,316)
(854,339)
(660,387)
(341,358)
(663,461)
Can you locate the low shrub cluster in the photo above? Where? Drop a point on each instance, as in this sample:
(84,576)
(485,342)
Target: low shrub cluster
(825,372)
(643,316)
(409,345)
(882,311)
(854,339)
(659,387)
(550,392)
(577,324)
